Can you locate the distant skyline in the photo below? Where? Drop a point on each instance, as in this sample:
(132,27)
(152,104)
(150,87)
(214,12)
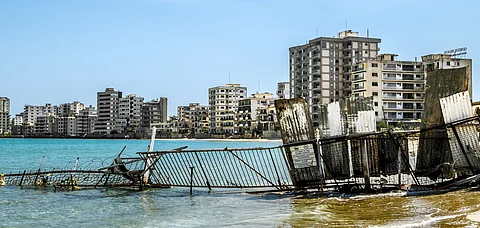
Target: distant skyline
(56,51)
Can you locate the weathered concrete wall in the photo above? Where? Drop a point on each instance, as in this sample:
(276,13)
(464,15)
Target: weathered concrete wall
(442,83)
(433,149)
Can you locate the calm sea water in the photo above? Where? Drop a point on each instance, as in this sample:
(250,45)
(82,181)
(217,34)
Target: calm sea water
(175,207)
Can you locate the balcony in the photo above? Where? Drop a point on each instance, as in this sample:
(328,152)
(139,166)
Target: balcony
(357,87)
(385,87)
(358,77)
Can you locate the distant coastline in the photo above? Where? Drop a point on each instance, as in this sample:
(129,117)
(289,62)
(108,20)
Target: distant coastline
(123,137)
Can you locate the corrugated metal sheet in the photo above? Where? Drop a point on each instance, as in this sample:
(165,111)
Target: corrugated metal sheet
(463,139)
(456,107)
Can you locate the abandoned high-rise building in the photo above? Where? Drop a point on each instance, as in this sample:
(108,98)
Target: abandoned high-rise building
(320,71)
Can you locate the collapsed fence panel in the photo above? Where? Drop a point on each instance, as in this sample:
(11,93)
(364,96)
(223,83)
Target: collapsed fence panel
(296,126)
(220,168)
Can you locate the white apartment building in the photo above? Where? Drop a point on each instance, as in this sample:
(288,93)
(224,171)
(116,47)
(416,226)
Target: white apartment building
(4,114)
(397,87)
(85,121)
(108,106)
(223,108)
(320,71)
(30,112)
(283,90)
(18,120)
(130,113)
(253,113)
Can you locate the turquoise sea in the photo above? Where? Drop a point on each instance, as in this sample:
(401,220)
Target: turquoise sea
(175,207)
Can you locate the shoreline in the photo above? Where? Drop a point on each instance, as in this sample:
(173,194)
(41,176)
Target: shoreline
(158,139)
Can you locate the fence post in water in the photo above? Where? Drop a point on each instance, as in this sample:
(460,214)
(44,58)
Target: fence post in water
(366,168)
(21,179)
(191,178)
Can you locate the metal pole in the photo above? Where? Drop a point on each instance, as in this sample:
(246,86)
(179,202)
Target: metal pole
(191,179)
(203,171)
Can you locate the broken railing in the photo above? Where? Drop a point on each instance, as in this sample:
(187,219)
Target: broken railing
(220,168)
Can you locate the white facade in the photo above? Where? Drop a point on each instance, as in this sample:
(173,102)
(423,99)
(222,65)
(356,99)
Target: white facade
(31,112)
(283,90)
(130,113)
(223,108)
(320,71)
(18,120)
(85,121)
(397,87)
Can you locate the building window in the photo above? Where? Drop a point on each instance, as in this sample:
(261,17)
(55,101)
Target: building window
(376,113)
(374,83)
(374,74)
(448,63)
(375,94)
(374,64)
(375,103)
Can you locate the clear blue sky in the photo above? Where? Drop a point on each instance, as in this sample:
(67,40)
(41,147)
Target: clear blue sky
(61,51)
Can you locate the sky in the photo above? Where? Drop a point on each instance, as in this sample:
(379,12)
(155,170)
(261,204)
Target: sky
(64,51)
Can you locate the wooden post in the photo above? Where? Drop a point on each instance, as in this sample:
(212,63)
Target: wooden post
(399,164)
(366,168)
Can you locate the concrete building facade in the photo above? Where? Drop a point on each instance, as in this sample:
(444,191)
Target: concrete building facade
(223,108)
(108,105)
(195,116)
(283,90)
(397,87)
(4,115)
(153,113)
(251,112)
(320,71)
(85,121)
(130,113)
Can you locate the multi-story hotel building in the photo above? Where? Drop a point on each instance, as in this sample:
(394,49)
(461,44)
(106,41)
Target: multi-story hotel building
(223,108)
(251,109)
(4,114)
(108,105)
(130,113)
(85,121)
(397,87)
(320,71)
(195,116)
(154,113)
(31,112)
(66,118)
